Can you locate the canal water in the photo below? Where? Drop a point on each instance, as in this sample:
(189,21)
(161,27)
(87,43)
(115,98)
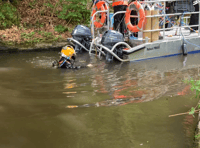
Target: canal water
(104,106)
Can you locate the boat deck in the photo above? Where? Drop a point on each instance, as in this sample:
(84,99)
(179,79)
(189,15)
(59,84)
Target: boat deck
(175,34)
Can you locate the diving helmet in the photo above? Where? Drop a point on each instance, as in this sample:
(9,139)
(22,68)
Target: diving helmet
(68,52)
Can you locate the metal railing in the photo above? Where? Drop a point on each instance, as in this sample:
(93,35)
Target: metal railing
(108,20)
(95,43)
(164,19)
(172,14)
(164,15)
(109,23)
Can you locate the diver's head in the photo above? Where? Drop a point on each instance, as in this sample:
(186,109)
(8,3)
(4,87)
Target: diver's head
(68,52)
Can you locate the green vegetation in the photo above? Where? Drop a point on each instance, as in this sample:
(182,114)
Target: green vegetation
(195,86)
(32,21)
(60,28)
(27,35)
(192,111)
(75,11)
(197,136)
(39,36)
(72,11)
(8,15)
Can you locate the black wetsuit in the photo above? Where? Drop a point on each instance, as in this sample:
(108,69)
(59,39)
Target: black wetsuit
(66,63)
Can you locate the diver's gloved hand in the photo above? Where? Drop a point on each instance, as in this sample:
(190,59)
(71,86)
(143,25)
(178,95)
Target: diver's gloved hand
(74,57)
(77,67)
(72,66)
(68,65)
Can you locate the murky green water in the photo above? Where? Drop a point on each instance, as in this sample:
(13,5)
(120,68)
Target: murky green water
(118,105)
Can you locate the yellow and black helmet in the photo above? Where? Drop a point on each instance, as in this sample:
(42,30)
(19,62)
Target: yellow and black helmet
(68,52)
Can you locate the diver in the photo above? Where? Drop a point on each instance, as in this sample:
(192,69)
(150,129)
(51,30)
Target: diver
(67,59)
(119,23)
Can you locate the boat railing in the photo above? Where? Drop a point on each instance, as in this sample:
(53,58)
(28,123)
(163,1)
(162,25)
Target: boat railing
(172,14)
(97,12)
(98,49)
(92,19)
(177,27)
(164,15)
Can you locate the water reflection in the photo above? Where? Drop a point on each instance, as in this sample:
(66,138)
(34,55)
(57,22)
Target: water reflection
(112,84)
(139,82)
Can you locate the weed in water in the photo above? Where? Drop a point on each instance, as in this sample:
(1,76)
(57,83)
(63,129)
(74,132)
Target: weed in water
(192,111)
(197,136)
(195,86)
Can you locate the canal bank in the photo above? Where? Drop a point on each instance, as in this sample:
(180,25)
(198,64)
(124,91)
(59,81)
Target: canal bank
(36,47)
(197,134)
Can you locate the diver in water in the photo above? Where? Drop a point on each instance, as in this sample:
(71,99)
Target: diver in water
(67,59)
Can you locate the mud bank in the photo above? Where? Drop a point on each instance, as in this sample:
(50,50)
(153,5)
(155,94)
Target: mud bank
(36,47)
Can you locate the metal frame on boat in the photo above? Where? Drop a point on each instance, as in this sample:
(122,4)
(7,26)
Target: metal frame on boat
(167,46)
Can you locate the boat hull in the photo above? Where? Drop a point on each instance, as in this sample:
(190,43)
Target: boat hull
(166,48)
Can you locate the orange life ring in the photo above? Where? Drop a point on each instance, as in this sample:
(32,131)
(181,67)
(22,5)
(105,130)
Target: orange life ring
(99,5)
(137,7)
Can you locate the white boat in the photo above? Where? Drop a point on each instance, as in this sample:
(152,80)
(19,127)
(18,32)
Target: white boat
(172,41)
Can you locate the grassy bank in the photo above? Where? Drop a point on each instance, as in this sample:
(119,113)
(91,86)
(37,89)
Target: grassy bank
(35,21)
